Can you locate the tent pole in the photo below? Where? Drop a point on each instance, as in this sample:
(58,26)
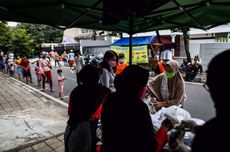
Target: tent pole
(130,40)
(159,40)
(130,48)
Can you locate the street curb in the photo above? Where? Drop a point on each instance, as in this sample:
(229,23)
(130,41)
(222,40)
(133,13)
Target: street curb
(38,91)
(20,147)
(195,83)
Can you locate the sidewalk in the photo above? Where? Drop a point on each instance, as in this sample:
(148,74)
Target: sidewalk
(29,121)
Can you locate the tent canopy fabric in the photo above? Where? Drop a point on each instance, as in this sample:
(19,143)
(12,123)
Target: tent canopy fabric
(121,15)
(142,40)
(164,41)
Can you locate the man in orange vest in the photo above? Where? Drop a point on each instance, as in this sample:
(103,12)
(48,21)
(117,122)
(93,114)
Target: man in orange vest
(121,65)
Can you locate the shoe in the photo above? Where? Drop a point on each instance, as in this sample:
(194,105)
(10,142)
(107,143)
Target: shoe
(52,91)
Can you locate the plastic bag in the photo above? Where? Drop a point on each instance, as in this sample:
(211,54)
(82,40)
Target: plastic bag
(174,113)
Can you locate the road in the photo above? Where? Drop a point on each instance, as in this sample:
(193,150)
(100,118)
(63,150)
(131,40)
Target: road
(70,82)
(199,102)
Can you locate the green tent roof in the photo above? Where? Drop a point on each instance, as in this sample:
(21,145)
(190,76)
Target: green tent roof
(159,14)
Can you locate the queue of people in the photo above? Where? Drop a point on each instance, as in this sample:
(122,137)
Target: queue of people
(116,99)
(126,123)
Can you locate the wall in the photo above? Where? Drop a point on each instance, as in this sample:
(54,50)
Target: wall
(209,50)
(95,46)
(206,51)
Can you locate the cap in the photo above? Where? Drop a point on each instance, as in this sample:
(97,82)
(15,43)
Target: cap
(121,55)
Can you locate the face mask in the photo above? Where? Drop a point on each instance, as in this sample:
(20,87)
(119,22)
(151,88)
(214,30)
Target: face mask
(120,60)
(169,74)
(43,56)
(112,64)
(142,93)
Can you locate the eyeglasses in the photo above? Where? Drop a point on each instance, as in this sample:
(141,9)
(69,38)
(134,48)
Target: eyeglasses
(206,87)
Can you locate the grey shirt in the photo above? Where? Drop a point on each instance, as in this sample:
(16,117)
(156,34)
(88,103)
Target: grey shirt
(107,78)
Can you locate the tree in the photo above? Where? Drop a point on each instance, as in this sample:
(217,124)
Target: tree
(185,31)
(43,33)
(20,42)
(24,38)
(4,36)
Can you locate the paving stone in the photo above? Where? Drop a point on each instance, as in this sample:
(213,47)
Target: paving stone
(60,149)
(45,149)
(56,145)
(61,138)
(29,149)
(52,141)
(14,97)
(39,146)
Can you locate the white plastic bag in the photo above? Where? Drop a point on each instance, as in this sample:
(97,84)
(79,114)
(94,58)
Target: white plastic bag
(174,113)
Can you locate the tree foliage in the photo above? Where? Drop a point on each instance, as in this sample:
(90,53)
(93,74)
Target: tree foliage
(4,36)
(26,38)
(43,33)
(20,42)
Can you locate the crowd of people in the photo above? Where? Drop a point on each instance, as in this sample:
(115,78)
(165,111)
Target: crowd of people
(19,67)
(113,93)
(125,118)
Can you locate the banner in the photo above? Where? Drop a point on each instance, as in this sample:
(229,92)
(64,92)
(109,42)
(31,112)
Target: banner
(139,55)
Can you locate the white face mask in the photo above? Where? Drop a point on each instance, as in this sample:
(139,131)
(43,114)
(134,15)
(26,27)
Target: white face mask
(120,60)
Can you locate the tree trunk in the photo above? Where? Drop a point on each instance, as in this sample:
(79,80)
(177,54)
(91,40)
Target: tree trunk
(186,43)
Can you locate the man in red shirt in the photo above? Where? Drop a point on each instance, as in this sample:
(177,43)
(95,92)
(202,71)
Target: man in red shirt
(26,69)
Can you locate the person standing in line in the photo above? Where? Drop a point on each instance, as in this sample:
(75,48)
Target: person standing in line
(39,72)
(61,79)
(26,69)
(64,57)
(71,57)
(1,62)
(126,123)
(107,67)
(79,63)
(18,67)
(56,59)
(45,64)
(84,102)
(121,65)
(11,69)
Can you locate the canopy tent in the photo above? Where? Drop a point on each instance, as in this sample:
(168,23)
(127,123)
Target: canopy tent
(142,40)
(121,15)
(135,41)
(141,45)
(163,14)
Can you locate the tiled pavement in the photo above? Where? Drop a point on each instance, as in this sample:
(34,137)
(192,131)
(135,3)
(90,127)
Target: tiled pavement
(52,144)
(15,98)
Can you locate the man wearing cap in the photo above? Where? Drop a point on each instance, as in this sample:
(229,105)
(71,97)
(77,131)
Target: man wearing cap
(121,65)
